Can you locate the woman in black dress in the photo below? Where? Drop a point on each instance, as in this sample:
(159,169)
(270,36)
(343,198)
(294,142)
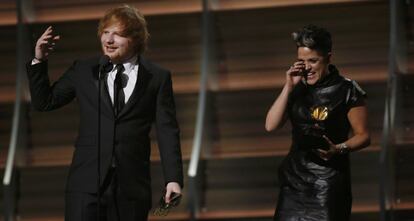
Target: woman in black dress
(322,107)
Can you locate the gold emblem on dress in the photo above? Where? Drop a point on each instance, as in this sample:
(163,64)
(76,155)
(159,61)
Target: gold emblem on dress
(319,113)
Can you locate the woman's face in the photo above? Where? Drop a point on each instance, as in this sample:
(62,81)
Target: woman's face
(316,64)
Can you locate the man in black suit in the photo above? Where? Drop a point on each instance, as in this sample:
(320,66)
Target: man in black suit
(134,94)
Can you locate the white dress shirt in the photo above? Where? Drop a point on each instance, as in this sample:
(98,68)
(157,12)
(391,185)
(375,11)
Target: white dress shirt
(131,70)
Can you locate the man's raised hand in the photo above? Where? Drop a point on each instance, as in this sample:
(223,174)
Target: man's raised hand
(45,44)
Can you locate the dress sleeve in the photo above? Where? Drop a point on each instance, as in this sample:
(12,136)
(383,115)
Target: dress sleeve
(355,96)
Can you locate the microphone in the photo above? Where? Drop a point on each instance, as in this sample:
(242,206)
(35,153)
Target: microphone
(105,65)
(305,73)
(124,80)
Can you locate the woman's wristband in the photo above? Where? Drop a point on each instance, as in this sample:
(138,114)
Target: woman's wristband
(343,148)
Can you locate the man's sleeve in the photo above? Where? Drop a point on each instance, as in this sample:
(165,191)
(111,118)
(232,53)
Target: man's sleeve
(44,96)
(168,133)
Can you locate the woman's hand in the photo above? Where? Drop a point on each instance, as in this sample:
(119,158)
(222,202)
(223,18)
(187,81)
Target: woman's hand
(294,74)
(328,154)
(45,44)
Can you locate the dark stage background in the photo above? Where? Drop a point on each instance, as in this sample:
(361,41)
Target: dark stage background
(228,59)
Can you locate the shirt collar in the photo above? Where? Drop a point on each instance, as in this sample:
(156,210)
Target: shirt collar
(130,64)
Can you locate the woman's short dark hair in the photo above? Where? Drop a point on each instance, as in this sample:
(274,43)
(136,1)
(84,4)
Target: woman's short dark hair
(313,37)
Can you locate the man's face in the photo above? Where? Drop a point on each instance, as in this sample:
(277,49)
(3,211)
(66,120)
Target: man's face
(316,65)
(119,48)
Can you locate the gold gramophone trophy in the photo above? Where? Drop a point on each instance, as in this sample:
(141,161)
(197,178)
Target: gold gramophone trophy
(319,114)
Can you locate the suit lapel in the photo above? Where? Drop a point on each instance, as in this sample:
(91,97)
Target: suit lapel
(141,85)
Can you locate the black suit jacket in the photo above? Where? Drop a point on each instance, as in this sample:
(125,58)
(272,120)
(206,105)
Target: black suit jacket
(151,101)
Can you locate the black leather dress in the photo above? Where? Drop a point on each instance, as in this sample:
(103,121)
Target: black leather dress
(313,189)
